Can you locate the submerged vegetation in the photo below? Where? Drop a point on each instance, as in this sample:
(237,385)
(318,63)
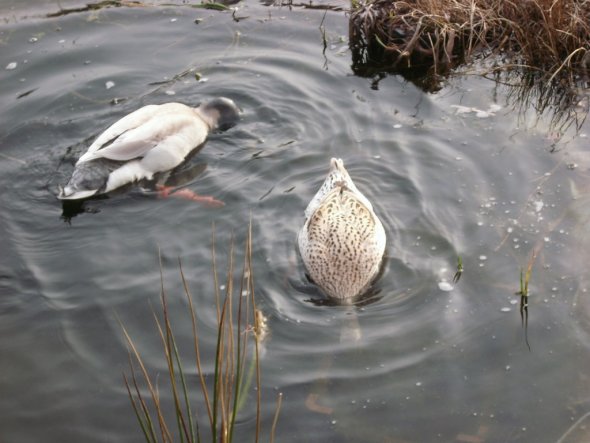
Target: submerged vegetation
(104,4)
(236,365)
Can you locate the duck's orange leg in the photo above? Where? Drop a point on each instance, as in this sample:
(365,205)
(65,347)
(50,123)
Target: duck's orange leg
(187,194)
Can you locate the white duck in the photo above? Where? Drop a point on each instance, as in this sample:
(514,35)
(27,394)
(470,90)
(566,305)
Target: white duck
(151,140)
(342,241)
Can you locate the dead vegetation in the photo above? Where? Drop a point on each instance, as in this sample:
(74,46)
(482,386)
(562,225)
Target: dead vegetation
(221,392)
(546,39)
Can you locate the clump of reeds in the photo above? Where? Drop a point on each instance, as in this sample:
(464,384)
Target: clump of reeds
(231,380)
(550,38)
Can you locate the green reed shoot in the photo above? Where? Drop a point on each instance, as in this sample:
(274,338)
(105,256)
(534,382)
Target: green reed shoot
(459,272)
(525,276)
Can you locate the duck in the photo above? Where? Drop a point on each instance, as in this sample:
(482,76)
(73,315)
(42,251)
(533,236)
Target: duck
(342,241)
(151,140)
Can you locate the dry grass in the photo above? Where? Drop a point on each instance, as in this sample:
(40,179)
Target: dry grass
(236,365)
(550,38)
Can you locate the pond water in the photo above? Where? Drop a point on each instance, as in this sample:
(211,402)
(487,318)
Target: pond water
(460,173)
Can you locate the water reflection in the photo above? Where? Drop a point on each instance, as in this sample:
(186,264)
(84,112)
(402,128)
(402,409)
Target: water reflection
(73,208)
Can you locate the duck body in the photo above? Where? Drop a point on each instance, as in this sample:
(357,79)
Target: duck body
(150,140)
(342,241)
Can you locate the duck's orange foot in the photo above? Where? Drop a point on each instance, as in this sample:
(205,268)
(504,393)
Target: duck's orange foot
(311,403)
(187,194)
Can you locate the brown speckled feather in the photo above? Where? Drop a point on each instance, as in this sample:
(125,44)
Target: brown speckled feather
(342,242)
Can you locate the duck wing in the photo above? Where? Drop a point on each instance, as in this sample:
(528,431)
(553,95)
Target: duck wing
(343,214)
(138,133)
(138,141)
(130,121)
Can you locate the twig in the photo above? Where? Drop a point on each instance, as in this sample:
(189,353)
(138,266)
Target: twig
(276,417)
(572,427)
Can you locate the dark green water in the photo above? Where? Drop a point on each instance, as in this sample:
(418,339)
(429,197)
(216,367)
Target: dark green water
(429,365)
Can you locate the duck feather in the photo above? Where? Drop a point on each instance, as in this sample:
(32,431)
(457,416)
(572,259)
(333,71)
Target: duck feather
(342,241)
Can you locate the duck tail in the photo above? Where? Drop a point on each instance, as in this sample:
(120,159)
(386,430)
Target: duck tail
(70,193)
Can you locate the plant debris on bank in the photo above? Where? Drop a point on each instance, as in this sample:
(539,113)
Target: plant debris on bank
(549,39)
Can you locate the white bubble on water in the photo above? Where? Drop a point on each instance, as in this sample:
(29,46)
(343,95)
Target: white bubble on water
(445,286)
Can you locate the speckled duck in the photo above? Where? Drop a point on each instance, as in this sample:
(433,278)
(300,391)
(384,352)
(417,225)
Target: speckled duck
(151,140)
(342,241)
